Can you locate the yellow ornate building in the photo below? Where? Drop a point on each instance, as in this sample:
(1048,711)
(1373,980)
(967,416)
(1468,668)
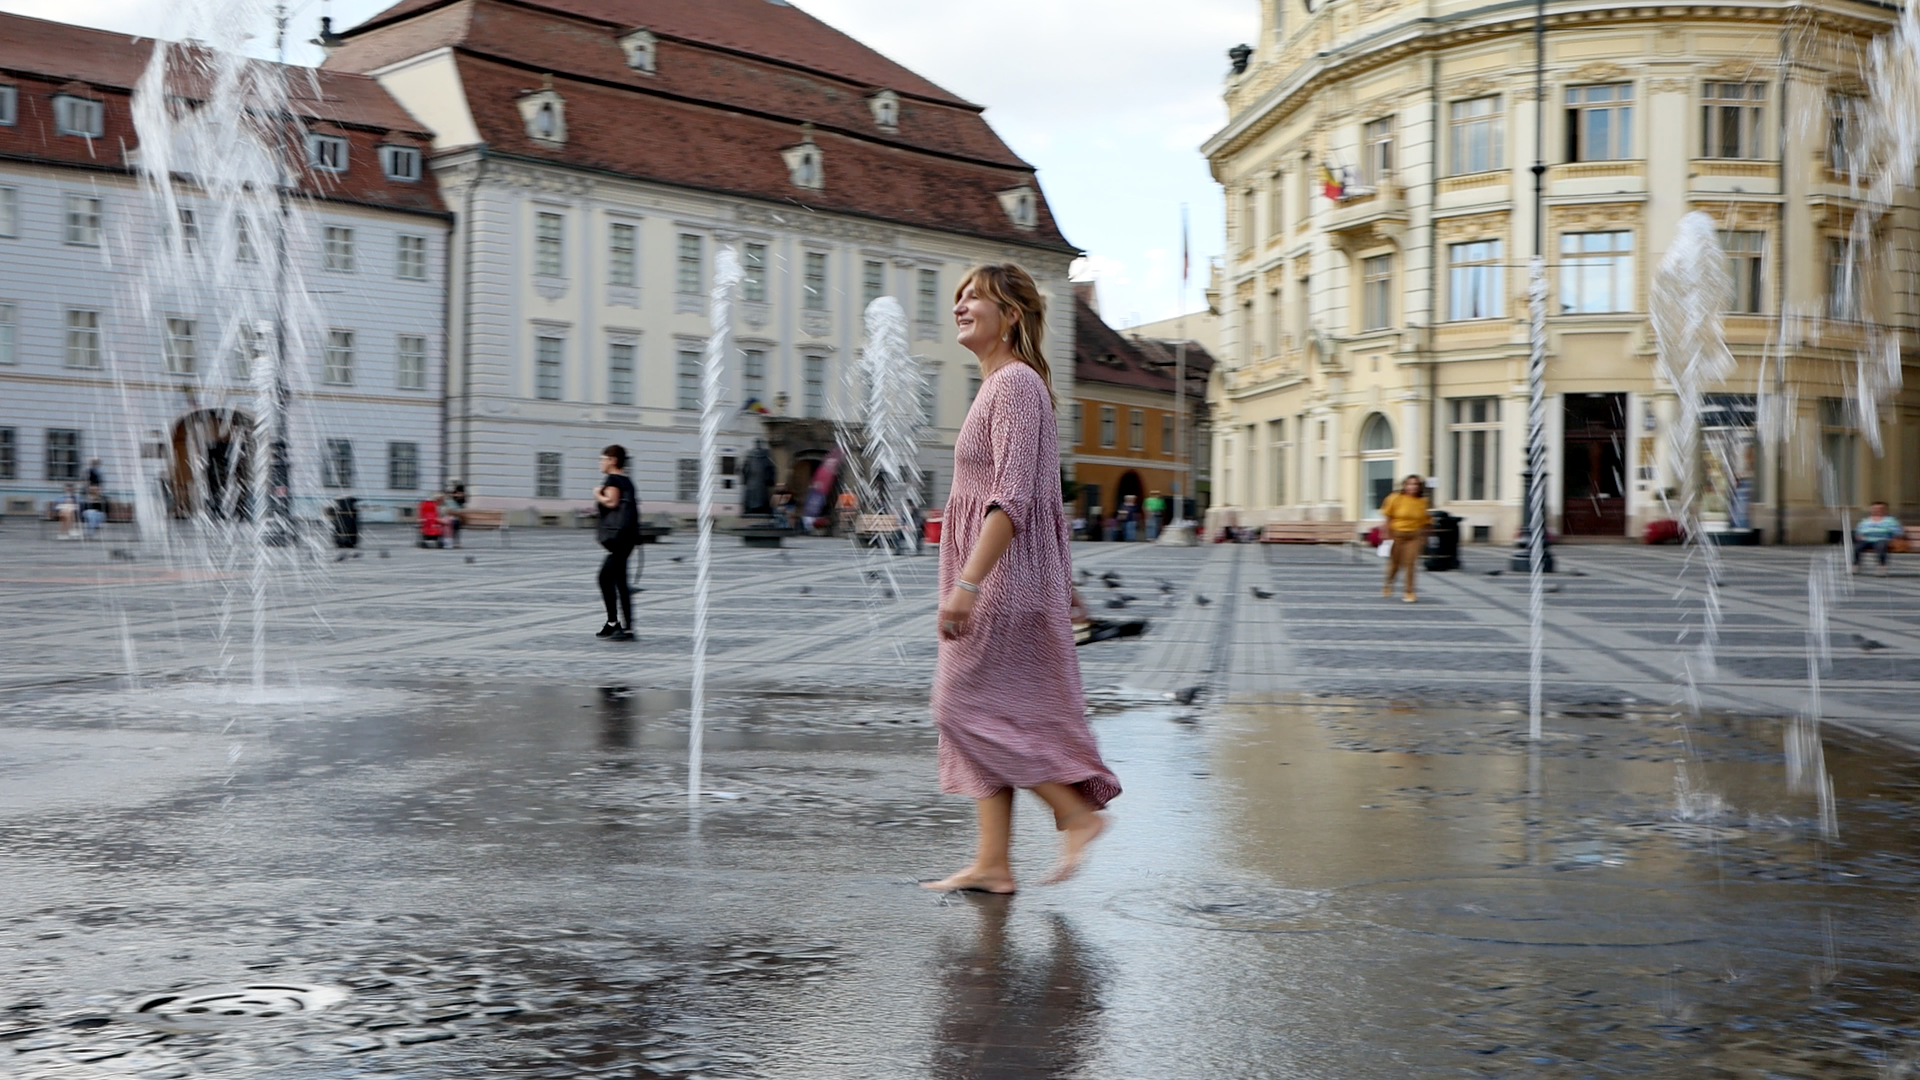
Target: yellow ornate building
(1378,172)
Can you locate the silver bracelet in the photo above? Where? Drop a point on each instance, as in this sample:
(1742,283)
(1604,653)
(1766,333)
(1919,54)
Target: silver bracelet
(967,585)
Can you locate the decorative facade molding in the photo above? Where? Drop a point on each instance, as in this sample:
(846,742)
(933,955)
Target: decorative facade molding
(1488,226)
(1594,216)
(1600,71)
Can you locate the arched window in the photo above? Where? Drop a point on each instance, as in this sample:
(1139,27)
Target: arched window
(1378,460)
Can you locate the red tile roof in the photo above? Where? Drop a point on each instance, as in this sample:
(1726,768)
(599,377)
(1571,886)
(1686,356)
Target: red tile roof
(714,118)
(1102,354)
(763,28)
(42,59)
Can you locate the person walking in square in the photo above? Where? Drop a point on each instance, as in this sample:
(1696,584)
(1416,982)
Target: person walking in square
(1876,533)
(1407,524)
(619,533)
(1156,514)
(1007,696)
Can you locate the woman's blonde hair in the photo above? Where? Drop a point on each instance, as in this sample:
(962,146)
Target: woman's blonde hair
(1013,291)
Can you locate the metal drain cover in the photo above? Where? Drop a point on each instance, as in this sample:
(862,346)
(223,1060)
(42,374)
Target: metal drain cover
(221,1006)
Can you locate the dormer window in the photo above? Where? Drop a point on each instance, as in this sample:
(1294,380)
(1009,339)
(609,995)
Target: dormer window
(79,116)
(327,153)
(806,166)
(400,163)
(545,113)
(886,109)
(639,47)
(1022,206)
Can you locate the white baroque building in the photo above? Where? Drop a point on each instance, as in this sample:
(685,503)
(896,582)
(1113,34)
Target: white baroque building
(100,357)
(596,159)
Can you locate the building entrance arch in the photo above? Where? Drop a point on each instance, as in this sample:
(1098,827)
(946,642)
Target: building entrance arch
(211,465)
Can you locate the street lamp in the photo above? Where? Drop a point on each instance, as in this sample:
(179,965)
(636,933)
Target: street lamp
(1530,543)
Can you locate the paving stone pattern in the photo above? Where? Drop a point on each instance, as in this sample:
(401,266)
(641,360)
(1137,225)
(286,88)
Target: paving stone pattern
(1622,622)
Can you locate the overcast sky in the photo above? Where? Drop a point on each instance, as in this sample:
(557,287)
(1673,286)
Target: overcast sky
(1110,99)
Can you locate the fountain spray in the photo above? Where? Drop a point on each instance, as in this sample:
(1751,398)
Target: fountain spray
(886,469)
(726,277)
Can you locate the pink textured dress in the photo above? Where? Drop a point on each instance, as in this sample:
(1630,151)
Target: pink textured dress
(1006,694)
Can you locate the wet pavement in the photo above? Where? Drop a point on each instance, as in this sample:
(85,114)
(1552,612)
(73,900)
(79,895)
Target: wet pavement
(430,878)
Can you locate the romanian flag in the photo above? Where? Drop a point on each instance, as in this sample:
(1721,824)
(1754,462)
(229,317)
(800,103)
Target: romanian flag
(756,406)
(1333,187)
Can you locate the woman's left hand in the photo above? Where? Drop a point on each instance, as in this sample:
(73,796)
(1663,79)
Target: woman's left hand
(956,613)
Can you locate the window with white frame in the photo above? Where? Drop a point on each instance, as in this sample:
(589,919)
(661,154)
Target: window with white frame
(1843,280)
(926,303)
(1476,281)
(1136,429)
(1109,426)
(1166,433)
(930,397)
(79,116)
(1732,119)
(9,454)
(9,212)
(549,230)
(410,258)
(686,395)
(243,240)
(63,455)
(1473,432)
(1600,122)
(9,335)
(1846,132)
(1249,223)
(182,351)
(973,384)
(83,339)
(400,163)
(815,387)
(83,221)
(753,376)
(1075,418)
(1746,251)
(549,362)
(1376,296)
(189,231)
(247,344)
(403,466)
(813,282)
(753,273)
(327,153)
(621,248)
(873,281)
(620,373)
(411,354)
(1475,131)
(546,475)
(1277,204)
(1596,272)
(337,249)
(336,464)
(9,106)
(688,275)
(1376,144)
(686,479)
(1839,452)
(338,367)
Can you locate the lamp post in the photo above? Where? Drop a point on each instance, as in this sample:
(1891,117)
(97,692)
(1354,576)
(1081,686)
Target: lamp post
(1530,543)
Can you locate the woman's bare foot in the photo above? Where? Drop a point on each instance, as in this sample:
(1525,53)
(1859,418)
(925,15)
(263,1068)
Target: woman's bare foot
(1081,831)
(973,880)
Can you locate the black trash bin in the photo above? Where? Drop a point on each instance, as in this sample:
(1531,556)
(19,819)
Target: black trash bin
(345,515)
(1443,541)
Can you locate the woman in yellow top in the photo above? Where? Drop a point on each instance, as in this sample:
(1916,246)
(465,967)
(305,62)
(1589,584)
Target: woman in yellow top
(1407,523)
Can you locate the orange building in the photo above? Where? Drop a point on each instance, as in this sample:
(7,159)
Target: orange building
(1122,416)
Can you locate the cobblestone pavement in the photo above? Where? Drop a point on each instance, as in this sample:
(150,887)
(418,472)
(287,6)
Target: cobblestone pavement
(460,846)
(1622,622)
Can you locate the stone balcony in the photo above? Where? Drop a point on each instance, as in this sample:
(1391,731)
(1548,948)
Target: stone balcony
(1368,216)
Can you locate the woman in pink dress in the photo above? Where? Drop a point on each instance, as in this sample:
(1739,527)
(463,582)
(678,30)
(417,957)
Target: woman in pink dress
(1006,695)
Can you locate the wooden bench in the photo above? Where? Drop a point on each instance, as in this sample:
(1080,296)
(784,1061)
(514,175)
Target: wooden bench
(1309,532)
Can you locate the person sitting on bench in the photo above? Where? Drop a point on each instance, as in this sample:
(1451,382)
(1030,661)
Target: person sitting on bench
(1876,532)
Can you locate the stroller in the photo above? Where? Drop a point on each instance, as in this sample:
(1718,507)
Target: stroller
(432,530)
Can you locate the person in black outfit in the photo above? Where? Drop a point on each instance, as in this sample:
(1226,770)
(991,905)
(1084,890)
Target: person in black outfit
(619,534)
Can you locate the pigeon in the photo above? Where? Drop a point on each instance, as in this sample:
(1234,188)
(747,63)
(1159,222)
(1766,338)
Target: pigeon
(1116,601)
(886,594)
(1203,601)
(1111,579)
(677,558)
(469,560)
(122,554)
(1166,587)
(1261,594)
(873,575)
(805,589)
(1495,573)
(1867,644)
(342,557)
(383,553)
(1185,696)
(1128,597)
(1550,588)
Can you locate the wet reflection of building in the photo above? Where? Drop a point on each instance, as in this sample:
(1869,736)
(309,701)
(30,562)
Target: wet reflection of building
(1010,1010)
(616,717)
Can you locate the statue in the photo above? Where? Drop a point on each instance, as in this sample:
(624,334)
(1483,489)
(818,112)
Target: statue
(757,477)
